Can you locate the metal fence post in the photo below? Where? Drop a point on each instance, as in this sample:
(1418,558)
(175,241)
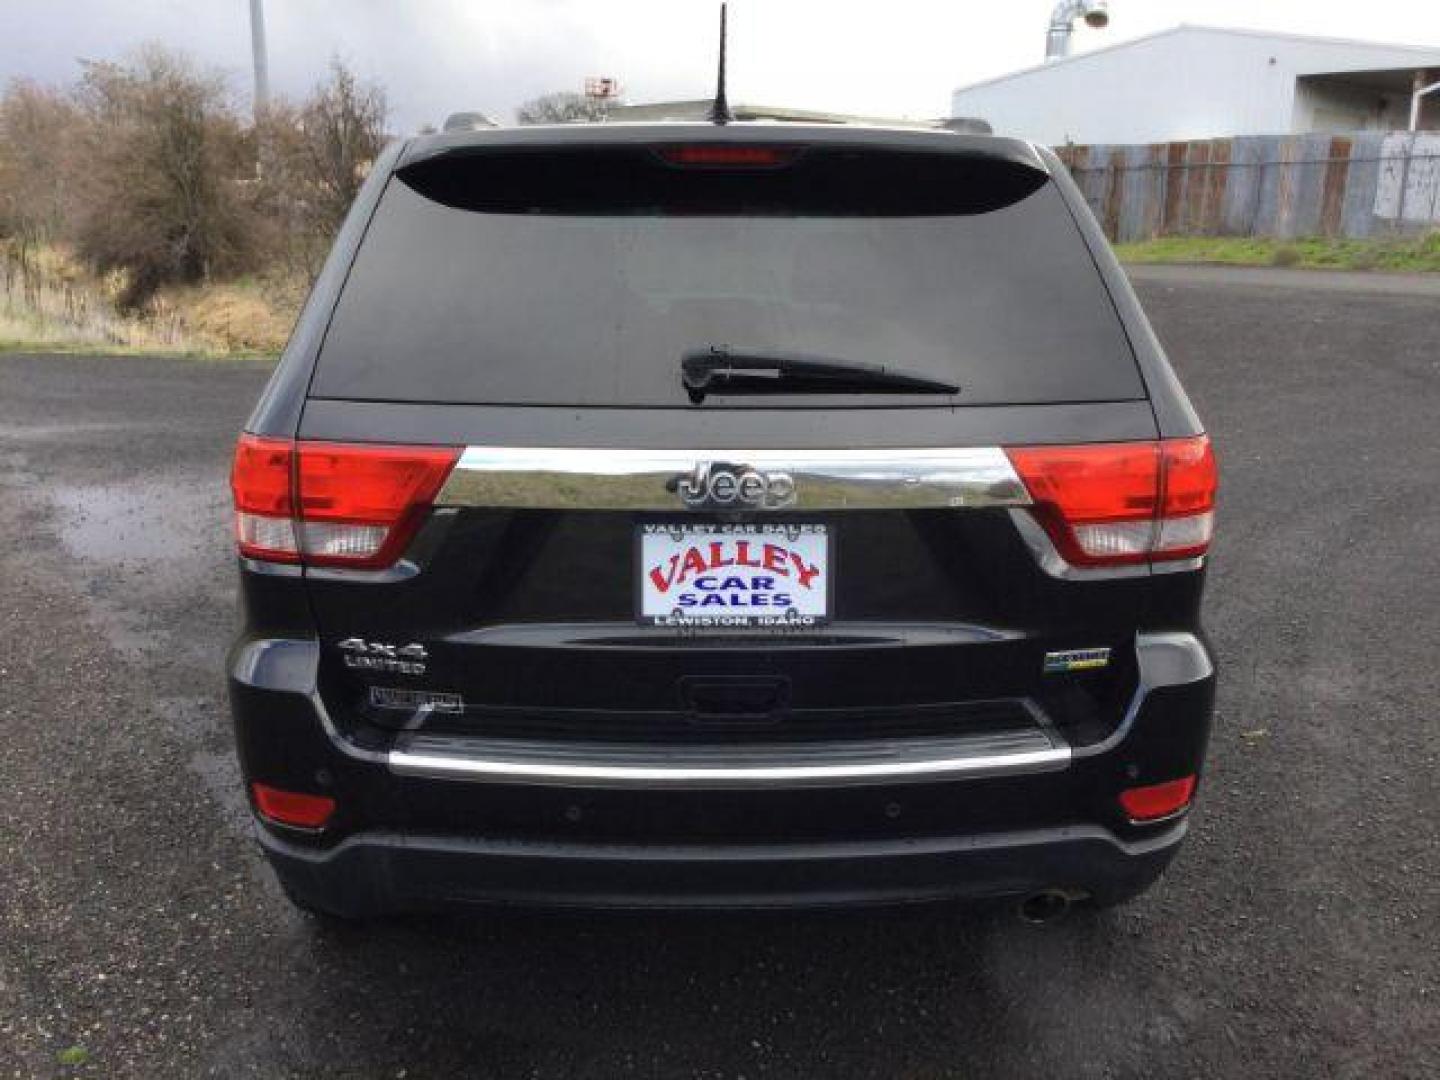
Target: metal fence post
(1257,198)
(1404,186)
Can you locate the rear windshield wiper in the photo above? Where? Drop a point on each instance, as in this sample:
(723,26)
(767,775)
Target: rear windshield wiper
(723,369)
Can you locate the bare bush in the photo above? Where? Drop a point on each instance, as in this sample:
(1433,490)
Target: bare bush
(165,157)
(562,107)
(38,129)
(342,125)
(143,179)
(314,157)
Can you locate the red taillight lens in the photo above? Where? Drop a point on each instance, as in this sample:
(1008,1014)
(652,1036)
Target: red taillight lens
(359,505)
(1116,503)
(333,504)
(260,481)
(1154,801)
(727,157)
(294,808)
(1188,503)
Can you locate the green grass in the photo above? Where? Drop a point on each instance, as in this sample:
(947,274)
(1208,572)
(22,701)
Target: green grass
(1402,254)
(73,1055)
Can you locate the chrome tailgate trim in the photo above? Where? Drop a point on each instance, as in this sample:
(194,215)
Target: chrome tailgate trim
(558,478)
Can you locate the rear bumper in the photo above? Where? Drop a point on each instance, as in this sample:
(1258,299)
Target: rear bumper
(374,873)
(416,832)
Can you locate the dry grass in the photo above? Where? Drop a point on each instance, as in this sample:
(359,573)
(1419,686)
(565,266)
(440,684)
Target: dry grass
(240,318)
(48,302)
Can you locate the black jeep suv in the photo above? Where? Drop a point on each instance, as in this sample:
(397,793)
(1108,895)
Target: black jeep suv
(728,515)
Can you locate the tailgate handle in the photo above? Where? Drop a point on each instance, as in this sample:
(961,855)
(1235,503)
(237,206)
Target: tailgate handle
(735,697)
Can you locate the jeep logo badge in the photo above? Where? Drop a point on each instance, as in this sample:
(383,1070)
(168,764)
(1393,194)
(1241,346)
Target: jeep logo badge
(715,485)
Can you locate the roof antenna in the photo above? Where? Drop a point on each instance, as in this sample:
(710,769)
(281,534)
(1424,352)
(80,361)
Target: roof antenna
(720,109)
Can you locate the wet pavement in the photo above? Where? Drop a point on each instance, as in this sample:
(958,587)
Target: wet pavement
(140,934)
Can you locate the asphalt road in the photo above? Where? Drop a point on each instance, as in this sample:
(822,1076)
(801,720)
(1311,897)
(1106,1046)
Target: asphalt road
(1295,936)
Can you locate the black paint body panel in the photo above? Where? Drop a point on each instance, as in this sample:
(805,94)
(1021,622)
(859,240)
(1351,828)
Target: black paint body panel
(941,622)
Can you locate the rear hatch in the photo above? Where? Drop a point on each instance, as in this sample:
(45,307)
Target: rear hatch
(800,553)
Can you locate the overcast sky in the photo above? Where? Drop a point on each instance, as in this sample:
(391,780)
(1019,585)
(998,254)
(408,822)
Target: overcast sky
(897,57)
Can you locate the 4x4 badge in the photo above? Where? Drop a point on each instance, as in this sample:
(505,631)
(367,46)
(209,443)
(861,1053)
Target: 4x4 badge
(382,656)
(718,485)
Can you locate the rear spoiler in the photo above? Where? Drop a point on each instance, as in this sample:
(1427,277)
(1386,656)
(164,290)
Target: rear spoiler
(941,141)
(713,171)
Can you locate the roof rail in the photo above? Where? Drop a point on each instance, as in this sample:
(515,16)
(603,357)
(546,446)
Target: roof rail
(467,121)
(967,125)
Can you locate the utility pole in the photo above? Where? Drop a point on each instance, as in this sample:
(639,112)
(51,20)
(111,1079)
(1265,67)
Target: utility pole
(262,62)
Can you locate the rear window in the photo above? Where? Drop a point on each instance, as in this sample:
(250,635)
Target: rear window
(581,279)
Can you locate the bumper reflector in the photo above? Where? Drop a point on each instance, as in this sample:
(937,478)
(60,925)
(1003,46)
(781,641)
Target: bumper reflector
(294,808)
(1155,801)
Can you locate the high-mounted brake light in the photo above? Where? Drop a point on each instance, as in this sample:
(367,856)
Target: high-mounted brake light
(727,156)
(1110,504)
(332,504)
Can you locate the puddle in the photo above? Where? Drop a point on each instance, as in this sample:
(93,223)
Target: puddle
(154,556)
(141,523)
(41,432)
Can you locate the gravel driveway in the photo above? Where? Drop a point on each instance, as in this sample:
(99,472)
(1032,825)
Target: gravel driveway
(140,935)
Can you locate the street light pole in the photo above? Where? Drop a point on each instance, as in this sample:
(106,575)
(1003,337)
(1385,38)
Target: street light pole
(262,62)
(1096,14)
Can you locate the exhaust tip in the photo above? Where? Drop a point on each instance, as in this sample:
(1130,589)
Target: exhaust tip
(1045,906)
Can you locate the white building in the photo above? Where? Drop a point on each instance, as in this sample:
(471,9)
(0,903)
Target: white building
(1198,82)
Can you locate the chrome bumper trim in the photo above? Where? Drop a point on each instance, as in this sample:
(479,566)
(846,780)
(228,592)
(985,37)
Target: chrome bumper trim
(835,764)
(628,479)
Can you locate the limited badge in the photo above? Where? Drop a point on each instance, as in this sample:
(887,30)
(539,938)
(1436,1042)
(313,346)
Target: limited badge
(383,656)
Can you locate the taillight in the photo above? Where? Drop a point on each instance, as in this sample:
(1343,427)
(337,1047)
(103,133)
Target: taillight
(1188,480)
(297,809)
(333,504)
(261,480)
(360,505)
(1109,504)
(1155,801)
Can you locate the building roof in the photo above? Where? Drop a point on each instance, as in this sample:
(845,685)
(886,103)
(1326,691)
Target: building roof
(1423,55)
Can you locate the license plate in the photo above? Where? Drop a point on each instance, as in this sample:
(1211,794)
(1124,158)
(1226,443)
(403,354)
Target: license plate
(734,575)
